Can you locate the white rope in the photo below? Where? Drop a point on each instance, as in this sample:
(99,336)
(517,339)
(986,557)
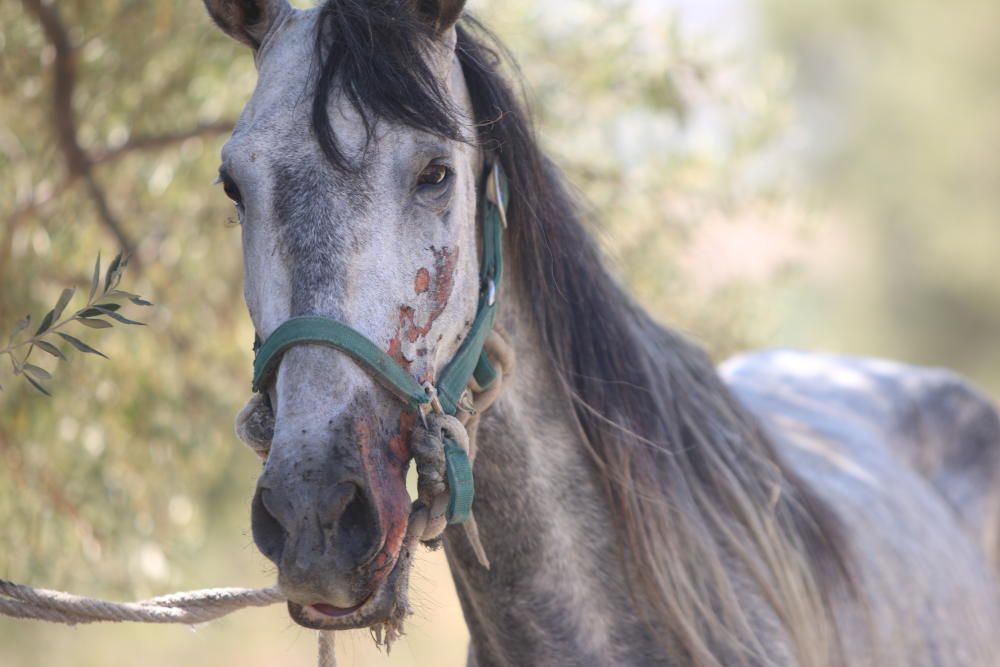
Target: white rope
(189,608)
(326,657)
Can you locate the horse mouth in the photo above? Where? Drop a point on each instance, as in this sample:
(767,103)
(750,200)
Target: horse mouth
(385,605)
(323,611)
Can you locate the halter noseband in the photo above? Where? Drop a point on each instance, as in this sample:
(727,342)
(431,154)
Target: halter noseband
(470,362)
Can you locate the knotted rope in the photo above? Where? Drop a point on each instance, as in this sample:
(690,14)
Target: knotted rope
(189,608)
(426,523)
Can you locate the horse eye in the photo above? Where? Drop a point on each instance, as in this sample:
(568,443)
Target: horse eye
(434,174)
(233,192)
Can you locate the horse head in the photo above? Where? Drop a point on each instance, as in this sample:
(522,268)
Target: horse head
(351,213)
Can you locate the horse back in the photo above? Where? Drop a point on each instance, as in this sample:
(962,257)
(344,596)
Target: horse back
(909,458)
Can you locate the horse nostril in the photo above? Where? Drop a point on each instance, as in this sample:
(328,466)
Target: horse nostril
(357,530)
(340,523)
(268,533)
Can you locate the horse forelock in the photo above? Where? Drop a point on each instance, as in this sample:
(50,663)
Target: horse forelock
(705,503)
(378,55)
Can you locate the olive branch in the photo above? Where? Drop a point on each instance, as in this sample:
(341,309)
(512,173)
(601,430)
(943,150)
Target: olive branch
(100,304)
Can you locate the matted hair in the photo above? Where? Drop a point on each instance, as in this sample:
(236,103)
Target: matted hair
(701,496)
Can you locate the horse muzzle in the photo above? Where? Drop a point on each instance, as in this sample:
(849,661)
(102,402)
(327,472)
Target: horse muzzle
(333,520)
(386,605)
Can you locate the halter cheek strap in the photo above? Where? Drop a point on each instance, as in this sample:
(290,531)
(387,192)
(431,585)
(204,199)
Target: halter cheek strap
(470,362)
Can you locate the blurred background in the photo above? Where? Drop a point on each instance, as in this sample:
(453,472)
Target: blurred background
(766,172)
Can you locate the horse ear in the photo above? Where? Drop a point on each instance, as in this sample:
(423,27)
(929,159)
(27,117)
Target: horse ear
(247,21)
(443,14)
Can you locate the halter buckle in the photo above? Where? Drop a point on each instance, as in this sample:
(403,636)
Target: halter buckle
(494,192)
(433,402)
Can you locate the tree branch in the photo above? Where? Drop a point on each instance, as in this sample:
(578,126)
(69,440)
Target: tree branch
(158,141)
(63,83)
(138,143)
(78,163)
(150,142)
(109,219)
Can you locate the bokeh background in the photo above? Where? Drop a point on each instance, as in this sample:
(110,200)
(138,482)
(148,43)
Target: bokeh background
(821,174)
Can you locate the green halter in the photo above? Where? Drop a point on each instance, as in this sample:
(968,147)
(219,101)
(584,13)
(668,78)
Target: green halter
(470,360)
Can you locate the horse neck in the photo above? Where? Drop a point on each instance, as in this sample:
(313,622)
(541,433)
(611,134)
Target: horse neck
(556,590)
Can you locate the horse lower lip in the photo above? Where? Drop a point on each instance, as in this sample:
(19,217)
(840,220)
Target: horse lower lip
(336,612)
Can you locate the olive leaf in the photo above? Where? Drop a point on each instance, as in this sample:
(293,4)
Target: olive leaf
(36,372)
(92,315)
(113,273)
(134,298)
(96,280)
(37,386)
(93,323)
(121,318)
(19,327)
(79,344)
(46,322)
(99,309)
(64,299)
(50,348)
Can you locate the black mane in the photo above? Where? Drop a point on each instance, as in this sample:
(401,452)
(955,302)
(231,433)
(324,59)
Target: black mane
(660,423)
(375,52)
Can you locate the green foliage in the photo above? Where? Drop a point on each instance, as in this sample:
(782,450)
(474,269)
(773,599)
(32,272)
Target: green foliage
(128,480)
(667,133)
(89,316)
(906,155)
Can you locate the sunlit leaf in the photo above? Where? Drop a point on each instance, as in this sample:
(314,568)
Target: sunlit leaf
(96,280)
(80,345)
(120,318)
(37,386)
(36,372)
(64,299)
(19,327)
(134,298)
(112,271)
(94,324)
(50,348)
(99,309)
(46,322)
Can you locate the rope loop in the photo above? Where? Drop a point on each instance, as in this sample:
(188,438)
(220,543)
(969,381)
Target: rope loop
(429,516)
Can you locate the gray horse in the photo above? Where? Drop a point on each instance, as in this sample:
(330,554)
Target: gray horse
(638,508)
